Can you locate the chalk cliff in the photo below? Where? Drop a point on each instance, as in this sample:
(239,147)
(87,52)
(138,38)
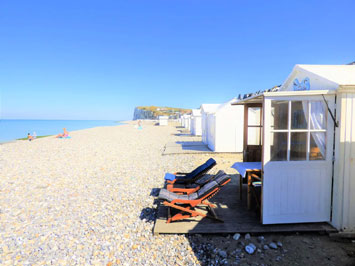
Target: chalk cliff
(153,112)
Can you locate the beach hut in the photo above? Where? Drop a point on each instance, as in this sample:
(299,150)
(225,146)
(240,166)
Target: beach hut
(225,128)
(196,122)
(205,110)
(307,147)
(163,120)
(187,121)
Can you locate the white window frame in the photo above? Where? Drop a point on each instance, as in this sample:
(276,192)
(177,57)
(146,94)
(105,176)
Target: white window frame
(308,130)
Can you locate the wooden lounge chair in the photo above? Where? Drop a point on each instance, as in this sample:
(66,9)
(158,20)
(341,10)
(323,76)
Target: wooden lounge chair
(256,183)
(193,187)
(186,205)
(188,178)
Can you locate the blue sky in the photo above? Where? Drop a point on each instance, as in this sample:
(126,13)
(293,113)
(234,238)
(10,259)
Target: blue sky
(100,59)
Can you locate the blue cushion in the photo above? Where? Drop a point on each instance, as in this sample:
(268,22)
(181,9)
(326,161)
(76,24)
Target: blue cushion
(169,176)
(202,168)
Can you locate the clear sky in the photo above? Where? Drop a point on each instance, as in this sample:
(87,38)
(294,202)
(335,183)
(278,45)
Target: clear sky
(99,59)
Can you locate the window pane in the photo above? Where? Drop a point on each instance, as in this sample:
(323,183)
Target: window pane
(299,114)
(317,146)
(254,116)
(298,146)
(279,114)
(278,146)
(318,117)
(254,135)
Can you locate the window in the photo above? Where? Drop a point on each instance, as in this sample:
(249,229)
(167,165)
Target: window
(298,131)
(254,126)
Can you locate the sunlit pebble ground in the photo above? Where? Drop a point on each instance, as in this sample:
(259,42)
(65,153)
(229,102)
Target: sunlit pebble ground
(86,200)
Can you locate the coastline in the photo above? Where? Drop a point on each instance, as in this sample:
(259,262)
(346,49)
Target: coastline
(39,126)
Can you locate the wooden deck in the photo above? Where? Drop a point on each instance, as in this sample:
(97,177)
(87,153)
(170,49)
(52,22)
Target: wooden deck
(237,219)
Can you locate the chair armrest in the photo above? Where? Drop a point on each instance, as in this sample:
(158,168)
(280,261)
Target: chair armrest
(256,177)
(180,173)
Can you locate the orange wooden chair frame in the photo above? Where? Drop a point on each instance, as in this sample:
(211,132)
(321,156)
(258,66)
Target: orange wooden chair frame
(189,211)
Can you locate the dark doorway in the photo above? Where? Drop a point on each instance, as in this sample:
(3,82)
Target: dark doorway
(252,132)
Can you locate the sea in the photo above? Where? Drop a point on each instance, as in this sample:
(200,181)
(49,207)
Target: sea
(12,129)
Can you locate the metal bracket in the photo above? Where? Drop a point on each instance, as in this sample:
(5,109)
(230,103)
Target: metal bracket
(331,114)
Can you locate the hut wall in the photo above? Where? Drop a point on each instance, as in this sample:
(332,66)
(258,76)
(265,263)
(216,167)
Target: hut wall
(343,215)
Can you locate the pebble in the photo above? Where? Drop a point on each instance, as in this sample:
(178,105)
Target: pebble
(273,245)
(247,237)
(261,239)
(266,247)
(236,236)
(279,244)
(250,249)
(222,253)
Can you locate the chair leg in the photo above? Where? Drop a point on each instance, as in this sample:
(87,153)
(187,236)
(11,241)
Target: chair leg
(256,198)
(206,202)
(190,212)
(240,187)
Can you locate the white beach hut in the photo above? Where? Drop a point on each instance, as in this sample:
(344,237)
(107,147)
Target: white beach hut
(196,122)
(163,120)
(308,147)
(225,128)
(205,110)
(183,120)
(187,122)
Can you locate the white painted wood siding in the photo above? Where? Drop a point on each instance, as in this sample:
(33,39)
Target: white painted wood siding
(344,175)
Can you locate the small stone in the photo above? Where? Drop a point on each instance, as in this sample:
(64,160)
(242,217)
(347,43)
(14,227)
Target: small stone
(236,236)
(266,247)
(250,249)
(278,258)
(247,236)
(273,245)
(261,239)
(222,253)
(238,251)
(279,244)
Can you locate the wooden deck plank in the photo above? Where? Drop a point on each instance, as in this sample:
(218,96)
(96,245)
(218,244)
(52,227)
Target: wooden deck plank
(237,219)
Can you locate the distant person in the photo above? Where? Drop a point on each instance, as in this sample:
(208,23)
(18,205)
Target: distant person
(34,135)
(29,137)
(64,135)
(139,124)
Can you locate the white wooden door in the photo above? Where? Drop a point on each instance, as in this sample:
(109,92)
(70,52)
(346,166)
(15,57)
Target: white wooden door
(297,159)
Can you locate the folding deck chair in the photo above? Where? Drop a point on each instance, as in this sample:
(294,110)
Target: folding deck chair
(195,186)
(186,204)
(188,178)
(256,184)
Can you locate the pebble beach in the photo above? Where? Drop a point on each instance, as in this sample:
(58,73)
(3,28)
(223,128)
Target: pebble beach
(86,200)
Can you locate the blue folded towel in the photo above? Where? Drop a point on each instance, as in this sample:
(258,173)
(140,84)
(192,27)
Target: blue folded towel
(169,177)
